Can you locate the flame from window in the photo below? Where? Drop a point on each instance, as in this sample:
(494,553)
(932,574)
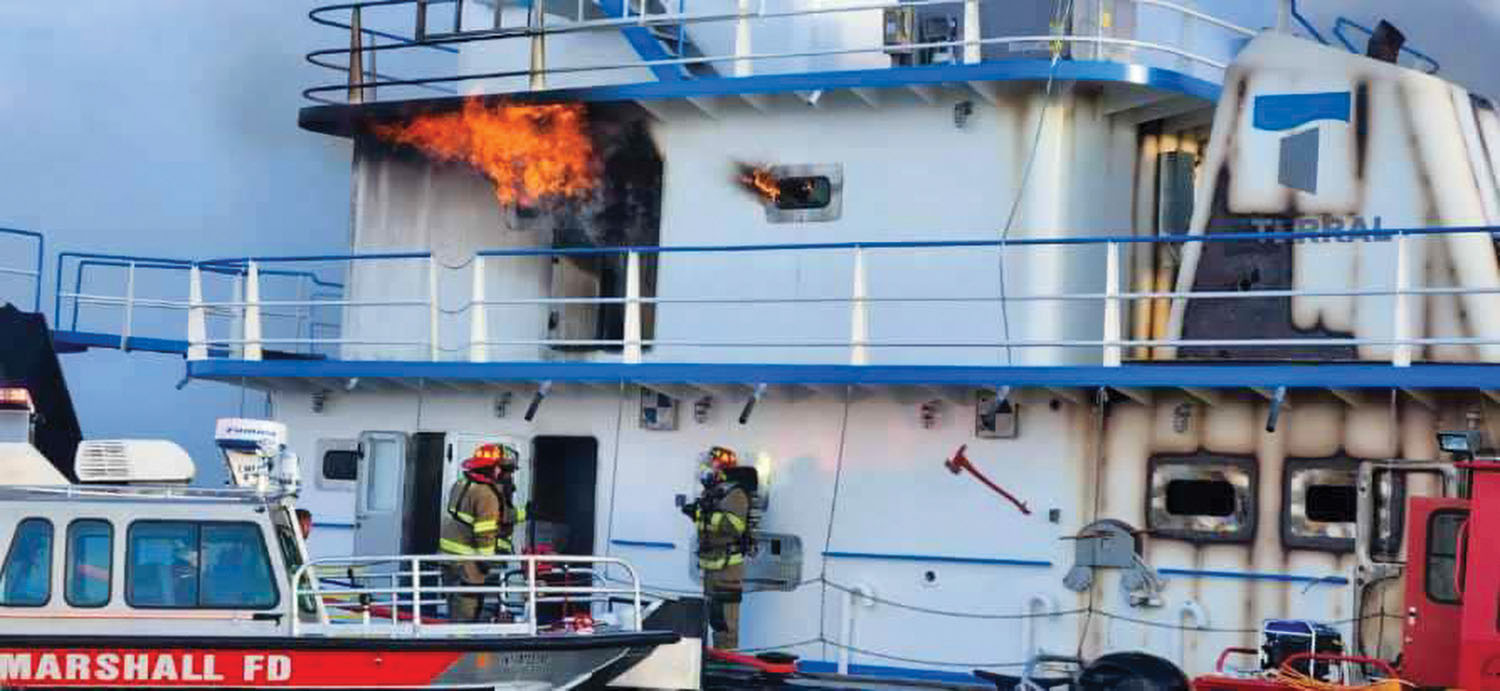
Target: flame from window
(530,152)
(760,181)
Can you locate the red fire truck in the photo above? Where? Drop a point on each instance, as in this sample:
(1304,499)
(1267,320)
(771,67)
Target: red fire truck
(1451,617)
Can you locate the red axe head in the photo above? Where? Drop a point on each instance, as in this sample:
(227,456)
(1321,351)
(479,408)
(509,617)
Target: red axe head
(959,461)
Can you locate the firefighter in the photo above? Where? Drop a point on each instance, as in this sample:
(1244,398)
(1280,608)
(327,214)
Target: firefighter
(721,515)
(476,509)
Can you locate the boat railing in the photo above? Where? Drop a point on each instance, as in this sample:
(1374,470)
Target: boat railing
(523,595)
(21,256)
(134,297)
(440,48)
(182,493)
(868,299)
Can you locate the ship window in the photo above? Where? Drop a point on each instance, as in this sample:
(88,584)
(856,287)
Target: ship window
(341,464)
(1443,530)
(210,565)
(90,562)
(1200,498)
(1330,503)
(25,580)
(1319,504)
(809,192)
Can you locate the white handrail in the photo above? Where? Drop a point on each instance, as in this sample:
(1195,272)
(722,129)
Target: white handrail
(970,42)
(306,582)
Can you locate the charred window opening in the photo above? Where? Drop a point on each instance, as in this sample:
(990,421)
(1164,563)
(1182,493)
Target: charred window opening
(812,192)
(1442,558)
(1200,498)
(1331,503)
(341,465)
(1320,504)
(794,193)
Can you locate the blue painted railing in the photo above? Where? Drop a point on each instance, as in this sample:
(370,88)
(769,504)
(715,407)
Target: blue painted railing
(651,33)
(22,264)
(1109,338)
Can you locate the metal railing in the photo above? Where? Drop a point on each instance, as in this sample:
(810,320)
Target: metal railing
(21,266)
(409,595)
(361,84)
(670,307)
(315,294)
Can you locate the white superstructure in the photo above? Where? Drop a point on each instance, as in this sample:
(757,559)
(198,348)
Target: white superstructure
(1158,296)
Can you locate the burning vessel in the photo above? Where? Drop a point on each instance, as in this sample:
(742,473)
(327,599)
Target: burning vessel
(1190,293)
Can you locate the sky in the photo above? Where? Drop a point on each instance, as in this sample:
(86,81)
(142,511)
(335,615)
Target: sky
(164,128)
(168,128)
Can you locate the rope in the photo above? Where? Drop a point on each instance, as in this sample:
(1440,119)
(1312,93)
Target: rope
(1060,13)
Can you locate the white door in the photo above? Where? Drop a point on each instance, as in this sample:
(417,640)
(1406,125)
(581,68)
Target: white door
(462,445)
(382,483)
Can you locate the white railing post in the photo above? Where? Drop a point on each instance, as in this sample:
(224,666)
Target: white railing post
(1114,325)
(432,308)
(129,306)
(742,48)
(972,34)
(531,593)
(632,343)
(859,317)
(479,330)
(252,313)
(197,326)
(1401,354)
(416,595)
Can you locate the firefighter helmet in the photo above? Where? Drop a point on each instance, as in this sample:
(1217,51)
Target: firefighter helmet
(490,455)
(720,458)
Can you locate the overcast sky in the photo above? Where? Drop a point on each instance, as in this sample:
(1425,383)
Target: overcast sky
(168,128)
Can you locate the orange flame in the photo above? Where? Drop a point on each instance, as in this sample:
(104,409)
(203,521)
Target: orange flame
(760,181)
(530,153)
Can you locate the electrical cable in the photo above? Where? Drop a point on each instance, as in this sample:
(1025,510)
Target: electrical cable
(951,613)
(833,506)
(1062,13)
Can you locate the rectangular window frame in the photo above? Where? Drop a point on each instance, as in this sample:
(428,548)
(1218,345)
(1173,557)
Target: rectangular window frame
(1297,530)
(51,558)
(197,606)
(109,591)
(321,451)
(1240,471)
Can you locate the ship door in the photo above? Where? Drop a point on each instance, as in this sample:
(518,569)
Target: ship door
(462,445)
(378,525)
(1437,533)
(567,474)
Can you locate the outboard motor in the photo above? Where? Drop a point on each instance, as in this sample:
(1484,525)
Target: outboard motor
(255,452)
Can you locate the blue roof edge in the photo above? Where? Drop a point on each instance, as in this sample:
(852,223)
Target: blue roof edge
(338,119)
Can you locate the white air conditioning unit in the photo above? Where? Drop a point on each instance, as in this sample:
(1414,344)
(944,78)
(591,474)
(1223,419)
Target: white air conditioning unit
(124,461)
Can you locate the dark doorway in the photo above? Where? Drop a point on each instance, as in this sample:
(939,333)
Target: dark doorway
(564,476)
(424,491)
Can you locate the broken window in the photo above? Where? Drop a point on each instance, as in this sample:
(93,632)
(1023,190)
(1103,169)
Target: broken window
(811,192)
(1320,504)
(1202,498)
